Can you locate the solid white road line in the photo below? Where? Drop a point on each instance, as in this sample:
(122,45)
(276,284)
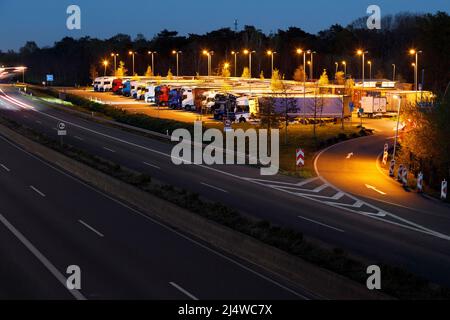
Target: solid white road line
(50,267)
(151,165)
(38,122)
(148,218)
(37,191)
(190,295)
(322,224)
(78,138)
(111,150)
(5,167)
(91,228)
(213,187)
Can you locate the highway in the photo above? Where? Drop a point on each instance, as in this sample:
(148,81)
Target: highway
(49,220)
(337,215)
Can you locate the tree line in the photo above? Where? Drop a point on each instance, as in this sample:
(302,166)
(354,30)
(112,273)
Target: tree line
(72,61)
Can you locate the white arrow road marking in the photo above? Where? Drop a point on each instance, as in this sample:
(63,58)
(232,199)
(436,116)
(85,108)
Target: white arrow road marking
(368,186)
(350,155)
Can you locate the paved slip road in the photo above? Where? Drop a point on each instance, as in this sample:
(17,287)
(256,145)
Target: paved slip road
(50,220)
(379,230)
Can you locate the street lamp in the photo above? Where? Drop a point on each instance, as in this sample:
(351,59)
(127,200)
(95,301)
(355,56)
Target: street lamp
(105,64)
(132,53)
(235,62)
(209,55)
(153,60)
(416,65)
(301,51)
(115,55)
(249,52)
(345,68)
(362,54)
(271,54)
(370,69)
(393,72)
(175,52)
(337,68)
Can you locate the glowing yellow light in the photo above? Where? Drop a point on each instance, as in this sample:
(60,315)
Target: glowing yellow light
(299,51)
(412,51)
(105,63)
(246,51)
(344,63)
(226,65)
(359,52)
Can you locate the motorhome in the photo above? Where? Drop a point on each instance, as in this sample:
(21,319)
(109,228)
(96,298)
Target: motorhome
(97,82)
(105,84)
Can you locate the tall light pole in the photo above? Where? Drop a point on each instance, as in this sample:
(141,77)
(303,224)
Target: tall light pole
(209,55)
(416,66)
(115,55)
(398,122)
(362,54)
(105,64)
(345,68)
(249,52)
(370,69)
(337,68)
(152,53)
(311,64)
(176,52)
(132,53)
(271,54)
(235,62)
(393,72)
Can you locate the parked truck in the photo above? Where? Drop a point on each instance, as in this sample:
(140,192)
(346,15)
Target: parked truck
(175,98)
(224,107)
(126,88)
(117,86)
(149,95)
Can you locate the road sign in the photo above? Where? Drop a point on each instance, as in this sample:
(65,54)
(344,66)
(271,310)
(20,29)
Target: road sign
(49,77)
(400,173)
(62,129)
(405,177)
(300,157)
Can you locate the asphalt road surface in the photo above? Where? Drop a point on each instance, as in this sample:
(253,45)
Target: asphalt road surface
(327,208)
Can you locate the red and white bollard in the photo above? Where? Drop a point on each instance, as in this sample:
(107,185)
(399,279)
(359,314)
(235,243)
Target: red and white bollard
(405,177)
(420,182)
(392,168)
(444,190)
(399,173)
